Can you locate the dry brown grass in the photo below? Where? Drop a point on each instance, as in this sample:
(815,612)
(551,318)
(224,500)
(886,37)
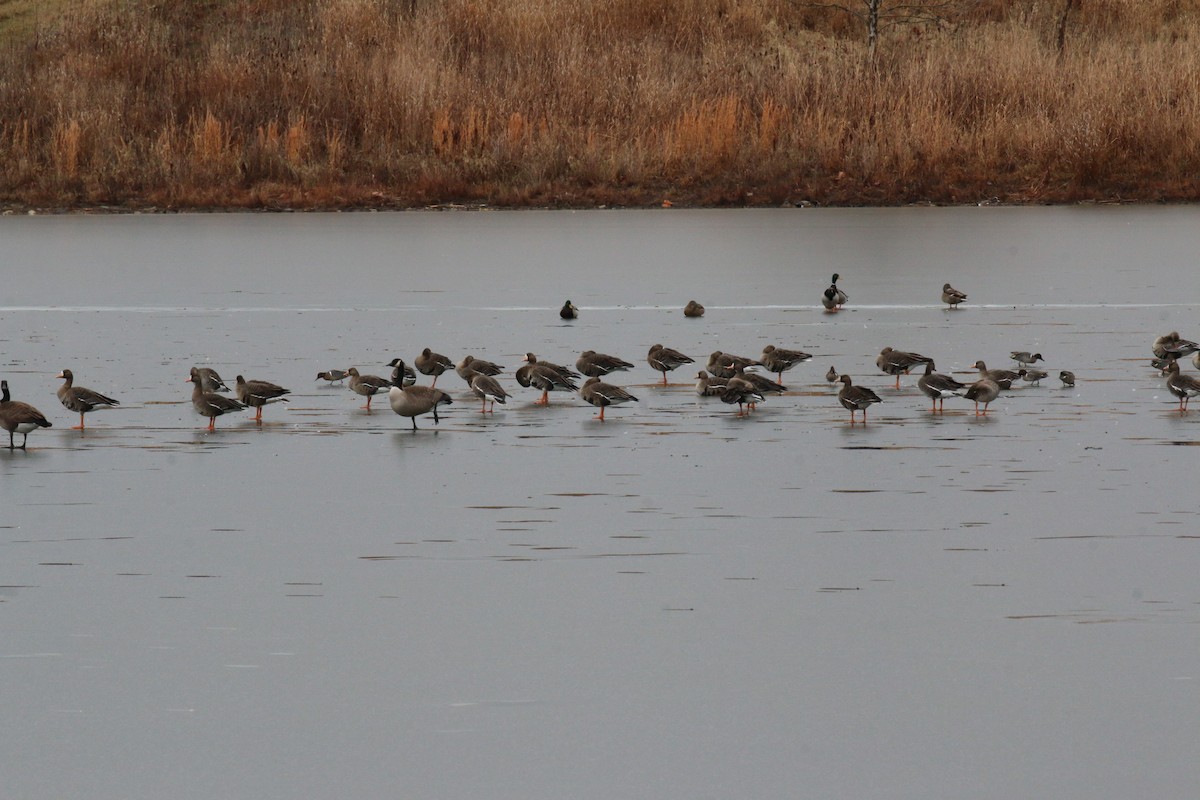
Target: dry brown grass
(315,103)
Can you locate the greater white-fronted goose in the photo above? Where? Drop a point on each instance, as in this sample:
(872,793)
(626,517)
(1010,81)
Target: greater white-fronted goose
(984,390)
(1172,344)
(1002,377)
(80,400)
(709,386)
(834,298)
(938,387)
(210,404)
(413,401)
(602,395)
(333,376)
(741,391)
(597,365)
(210,381)
(693,309)
(568,311)
(469,365)
(1025,358)
(18,417)
(952,296)
(257,394)
(831,375)
(856,398)
(431,363)
(488,389)
(778,360)
(546,379)
(1185,387)
(410,375)
(899,362)
(1067,377)
(664,359)
(762,384)
(1032,376)
(368,385)
(726,365)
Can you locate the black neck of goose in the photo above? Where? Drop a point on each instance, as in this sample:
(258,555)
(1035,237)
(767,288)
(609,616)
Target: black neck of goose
(4,388)
(398,375)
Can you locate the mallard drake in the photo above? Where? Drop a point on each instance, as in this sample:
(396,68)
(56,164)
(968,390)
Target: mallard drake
(984,390)
(726,365)
(431,363)
(413,401)
(488,389)
(1003,377)
(1025,358)
(602,395)
(1032,376)
(938,387)
(257,394)
(597,365)
(210,404)
(834,298)
(333,376)
(693,309)
(664,359)
(80,400)
(210,381)
(741,391)
(831,375)
(568,311)
(469,365)
(952,296)
(1067,377)
(899,362)
(1185,387)
(778,360)
(18,417)
(709,386)
(367,385)
(856,398)
(1172,344)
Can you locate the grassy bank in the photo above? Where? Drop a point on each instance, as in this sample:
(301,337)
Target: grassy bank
(333,103)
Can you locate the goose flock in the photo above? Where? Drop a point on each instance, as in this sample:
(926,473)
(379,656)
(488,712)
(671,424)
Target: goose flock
(732,378)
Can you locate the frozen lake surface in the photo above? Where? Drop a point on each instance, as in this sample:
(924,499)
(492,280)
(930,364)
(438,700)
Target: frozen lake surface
(534,605)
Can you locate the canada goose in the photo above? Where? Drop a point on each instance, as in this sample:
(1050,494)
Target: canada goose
(410,375)
(210,404)
(834,298)
(984,390)
(487,388)
(693,309)
(664,359)
(366,385)
(952,296)
(597,365)
(333,376)
(413,401)
(602,395)
(78,399)
(18,417)
(938,387)
(856,398)
(898,362)
(431,363)
(778,360)
(568,311)
(257,394)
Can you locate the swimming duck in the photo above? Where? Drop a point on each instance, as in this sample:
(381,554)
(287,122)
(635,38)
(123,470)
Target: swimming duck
(952,296)
(568,311)
(664,359)
(856,398)
(431,363)
(1002,377)
(413,401)
(899,362)
(257,394)
(367,385)
(984,390)
(938,387)
(210,404)
(78,399)
(693,309)
(333,376)
(18,417)
(778,360)
(834,298)
(1025,358)
(597,365)
(602,395)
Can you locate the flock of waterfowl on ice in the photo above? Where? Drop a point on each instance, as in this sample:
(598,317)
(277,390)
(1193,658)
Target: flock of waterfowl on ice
(731,378)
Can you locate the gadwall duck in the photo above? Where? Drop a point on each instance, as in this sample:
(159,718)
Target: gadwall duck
(469,365)
(1172,344)
(899,362)
(1185,387)
(1067,377)
(1025,358)
(856,398)
(664,359)
(597,365)
(1003,377)
(333,376)
(18,417)
(1032,376)
(693,309)
(726,365)
(741,391)
(80,400)
(413,401)
(257,394)
(951,296)
(568,311)
(984,390)
(410,375)
(210,381)
(210,404)
(367,385)
(834,298)
(938,387)
(778,360)
(488,389)
(709,386)
(602,395)
(431,363)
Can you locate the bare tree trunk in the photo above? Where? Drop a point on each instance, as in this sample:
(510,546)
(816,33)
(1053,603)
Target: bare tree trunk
(873,26)
(1060,39)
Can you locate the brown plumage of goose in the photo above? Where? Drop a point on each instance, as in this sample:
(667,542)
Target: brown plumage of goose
(210,404)
(951,296)
(257,394)
(856,398)
(602,395)
(938,387)
(726,365)
(469,365)
(778,360)
(546,379)
(80,400)
(210,381)
(1172,344)
(984,390)
(1002,377)
(18,417)
(431,363)
(741,391)
(693,309)
(665,359)
(413,401)
(488,389)
(1185,387)
(709,386)
(367,385)
(597,365)
(898,362)
(531,363)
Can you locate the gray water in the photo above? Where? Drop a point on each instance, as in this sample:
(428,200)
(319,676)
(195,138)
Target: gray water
(675,603)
